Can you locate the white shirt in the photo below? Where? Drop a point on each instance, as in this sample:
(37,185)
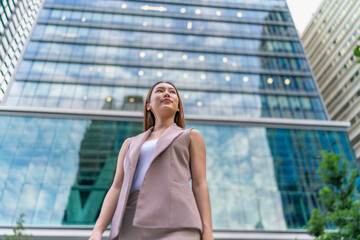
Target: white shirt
(146,152)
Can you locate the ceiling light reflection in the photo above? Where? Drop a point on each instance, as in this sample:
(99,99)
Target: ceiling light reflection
(142,54)
(189,25)
(153,8)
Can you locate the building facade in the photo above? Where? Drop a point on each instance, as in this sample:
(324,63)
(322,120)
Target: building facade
(329,41)
(245,84)
(16,23)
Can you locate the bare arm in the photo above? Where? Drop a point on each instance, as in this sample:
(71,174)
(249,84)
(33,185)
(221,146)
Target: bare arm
(111,198)
(199,184)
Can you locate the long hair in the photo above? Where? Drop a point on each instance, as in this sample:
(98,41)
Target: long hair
(149,118)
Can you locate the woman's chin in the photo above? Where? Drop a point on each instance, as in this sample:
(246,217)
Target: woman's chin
(167,112)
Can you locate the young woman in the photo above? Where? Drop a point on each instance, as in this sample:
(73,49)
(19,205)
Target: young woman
(151,197)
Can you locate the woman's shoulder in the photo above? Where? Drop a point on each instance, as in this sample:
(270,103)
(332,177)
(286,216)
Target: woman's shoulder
(196,139)
(194,134)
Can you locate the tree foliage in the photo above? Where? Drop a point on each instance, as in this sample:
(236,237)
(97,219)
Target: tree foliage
(357,51)
(19,230)
(341,209)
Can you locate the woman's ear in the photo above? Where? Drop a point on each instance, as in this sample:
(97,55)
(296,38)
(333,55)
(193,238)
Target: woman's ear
(147,107)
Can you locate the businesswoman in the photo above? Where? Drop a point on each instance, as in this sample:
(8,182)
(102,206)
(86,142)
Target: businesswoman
(151,197)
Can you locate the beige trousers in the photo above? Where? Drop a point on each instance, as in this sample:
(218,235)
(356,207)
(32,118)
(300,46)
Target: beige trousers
(129,232)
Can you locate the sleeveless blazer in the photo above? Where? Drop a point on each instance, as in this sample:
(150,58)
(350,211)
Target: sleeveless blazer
(166,199)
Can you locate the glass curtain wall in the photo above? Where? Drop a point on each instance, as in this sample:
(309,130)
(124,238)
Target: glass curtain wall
(57,171)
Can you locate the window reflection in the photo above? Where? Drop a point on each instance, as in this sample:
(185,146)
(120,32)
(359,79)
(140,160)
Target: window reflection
(167,39)
(171,8)
(238,178)
(75,72)
(203,25)
(239,104)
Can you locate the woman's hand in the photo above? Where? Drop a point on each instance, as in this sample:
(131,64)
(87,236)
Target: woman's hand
(207,235)
(96,235)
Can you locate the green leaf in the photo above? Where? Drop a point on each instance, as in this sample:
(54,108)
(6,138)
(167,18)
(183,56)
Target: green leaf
(316,223)
(18,230)
(338,199)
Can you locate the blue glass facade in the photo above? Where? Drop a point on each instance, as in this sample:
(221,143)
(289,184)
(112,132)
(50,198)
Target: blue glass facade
(63,167)
(249,57)
(231,60)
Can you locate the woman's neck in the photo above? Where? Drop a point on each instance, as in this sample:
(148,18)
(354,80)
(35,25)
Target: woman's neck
(161,125)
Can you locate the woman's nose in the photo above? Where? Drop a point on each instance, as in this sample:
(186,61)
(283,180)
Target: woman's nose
(166,93)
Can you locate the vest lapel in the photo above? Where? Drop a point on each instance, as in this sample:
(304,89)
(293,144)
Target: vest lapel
(164,141)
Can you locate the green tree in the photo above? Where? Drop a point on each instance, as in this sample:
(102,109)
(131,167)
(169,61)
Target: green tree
(341,209)
(357,51)
(19,230)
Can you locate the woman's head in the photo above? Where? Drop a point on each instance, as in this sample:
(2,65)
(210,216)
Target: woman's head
(163,100)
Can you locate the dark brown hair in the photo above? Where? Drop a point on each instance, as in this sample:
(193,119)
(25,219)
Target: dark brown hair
(149,118)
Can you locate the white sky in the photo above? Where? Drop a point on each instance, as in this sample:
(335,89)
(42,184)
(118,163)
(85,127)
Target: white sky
(302,11)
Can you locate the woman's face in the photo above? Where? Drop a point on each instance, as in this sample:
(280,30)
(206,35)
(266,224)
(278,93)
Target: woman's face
(163,99)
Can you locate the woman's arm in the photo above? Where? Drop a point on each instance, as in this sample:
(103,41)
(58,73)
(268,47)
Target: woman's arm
(199,184)
(111,198)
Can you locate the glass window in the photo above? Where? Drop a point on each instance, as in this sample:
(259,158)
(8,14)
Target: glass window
(24,69)
(48,68)
(29,89)
(43,90)
(55,90)
(37,67)
(55,14)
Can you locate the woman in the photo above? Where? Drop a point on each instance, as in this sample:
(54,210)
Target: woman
(150,197)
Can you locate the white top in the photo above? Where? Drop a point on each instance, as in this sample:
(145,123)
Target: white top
(146,152)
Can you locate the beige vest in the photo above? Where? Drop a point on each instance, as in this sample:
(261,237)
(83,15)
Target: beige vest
(165,199)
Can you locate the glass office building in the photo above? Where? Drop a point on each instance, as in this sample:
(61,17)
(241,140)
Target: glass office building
(16,21)
(245,83)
